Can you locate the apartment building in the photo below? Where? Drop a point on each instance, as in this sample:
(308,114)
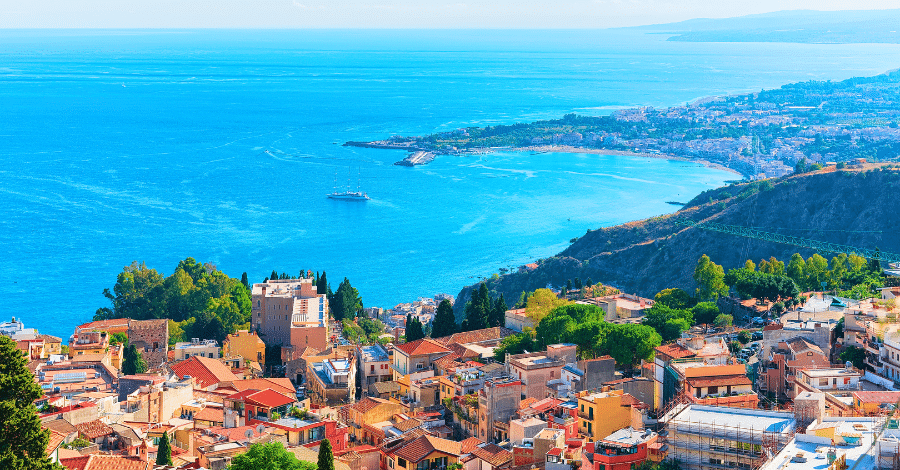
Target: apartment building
(602,413)
(691,349)
(208,348)
(417,356)
(622,450)
(245,344)
(717,385)
(781,363)
(374,365)
(709,437)
(331,381)
(289,312)
(831,380)
(498,402)
(536,369)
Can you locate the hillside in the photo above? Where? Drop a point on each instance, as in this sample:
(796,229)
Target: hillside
(851,207)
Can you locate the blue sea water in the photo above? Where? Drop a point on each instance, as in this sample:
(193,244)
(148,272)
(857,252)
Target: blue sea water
(150,146)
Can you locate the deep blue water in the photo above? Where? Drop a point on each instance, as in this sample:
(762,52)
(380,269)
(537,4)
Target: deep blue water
(149,146)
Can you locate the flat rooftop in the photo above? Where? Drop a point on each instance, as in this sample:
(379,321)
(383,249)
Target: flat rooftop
(748,420)
(373,353)
(814,449)
(831,372)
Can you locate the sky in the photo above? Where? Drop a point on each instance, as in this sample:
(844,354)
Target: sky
(451,14)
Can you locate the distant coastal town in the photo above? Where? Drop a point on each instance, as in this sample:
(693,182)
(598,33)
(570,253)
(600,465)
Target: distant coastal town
(759,135)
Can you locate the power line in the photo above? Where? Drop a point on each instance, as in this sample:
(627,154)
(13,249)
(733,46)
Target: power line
(817,245)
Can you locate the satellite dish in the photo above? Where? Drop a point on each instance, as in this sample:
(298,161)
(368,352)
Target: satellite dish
(248,433)
(260,429)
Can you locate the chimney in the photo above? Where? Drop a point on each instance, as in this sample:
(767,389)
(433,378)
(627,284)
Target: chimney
(142,452)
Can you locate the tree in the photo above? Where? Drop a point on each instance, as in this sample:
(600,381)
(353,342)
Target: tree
(874,264)
(346,302)
(326,457)
(244,280)
(497,316)
(710,278)
(118,338)
(132,362)
(675,298)
(855,355)
(540,303)
(414,330)
(271,456)
(164,451)
(478,308)
(744,337)
(816,272)
(515,344)
(628,343)
(723,320)
(796,269)
(444,323)
(705,313)
(668,322)
(23,442)
(749,265)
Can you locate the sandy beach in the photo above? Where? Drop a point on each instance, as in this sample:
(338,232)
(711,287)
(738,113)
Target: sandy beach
(664,156)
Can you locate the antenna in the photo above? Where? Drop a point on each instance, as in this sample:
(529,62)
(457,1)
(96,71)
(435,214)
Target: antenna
(248,433)
(260,429)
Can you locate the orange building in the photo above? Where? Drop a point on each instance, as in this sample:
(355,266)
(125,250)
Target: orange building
(245,344)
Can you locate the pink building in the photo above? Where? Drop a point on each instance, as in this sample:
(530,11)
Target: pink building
(289,312)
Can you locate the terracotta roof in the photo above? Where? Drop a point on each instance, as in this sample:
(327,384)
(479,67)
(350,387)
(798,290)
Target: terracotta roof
(674,350)
(367,404)
(545,404)
(719,381)
(59,425)
(281,385)
(212,414)
(115,323)
(93,429)
(56,439)
(528,401)
(468,445)
(269,398)
(49,339)
(386,387)
(799,344)
(237,434)
(877,397)
(711,371)
(104,462)
(421,347)
(493,454)
(477,336)
(773,326)
(205,371)
(408,424)
(423,446)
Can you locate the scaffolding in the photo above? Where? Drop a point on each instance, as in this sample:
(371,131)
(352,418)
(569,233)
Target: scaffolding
(696,444)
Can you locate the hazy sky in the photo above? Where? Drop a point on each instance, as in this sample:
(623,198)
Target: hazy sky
(390,13)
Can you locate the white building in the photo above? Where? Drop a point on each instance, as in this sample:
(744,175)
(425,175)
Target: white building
(205,348)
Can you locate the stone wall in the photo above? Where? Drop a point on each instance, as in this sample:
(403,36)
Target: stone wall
(151,338)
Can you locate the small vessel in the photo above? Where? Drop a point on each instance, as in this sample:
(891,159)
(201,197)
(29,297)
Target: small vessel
(348,195)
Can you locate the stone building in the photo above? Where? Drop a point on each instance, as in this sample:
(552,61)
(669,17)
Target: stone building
(151,338)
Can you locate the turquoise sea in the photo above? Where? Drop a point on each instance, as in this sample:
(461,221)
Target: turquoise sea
(150,146)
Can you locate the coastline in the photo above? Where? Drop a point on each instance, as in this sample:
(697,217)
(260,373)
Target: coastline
(596,151)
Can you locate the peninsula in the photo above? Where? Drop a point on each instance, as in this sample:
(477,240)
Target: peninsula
(765,134)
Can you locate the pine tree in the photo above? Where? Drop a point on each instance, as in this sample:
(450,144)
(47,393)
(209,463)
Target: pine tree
(23,443)
(444,323)
(132,362)
(326,457)
(164,451)
(274,275)
(874,264)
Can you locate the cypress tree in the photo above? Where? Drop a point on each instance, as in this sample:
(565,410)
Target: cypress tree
(498,317)
(132,362)
(245,281)
(414,330)
(23,442)
(164,451)
(326,456)
(444,323)
(274,275)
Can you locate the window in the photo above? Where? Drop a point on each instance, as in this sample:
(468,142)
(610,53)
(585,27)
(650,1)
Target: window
(372,368)
(401,462)
(591,413)
(823,382)
(713,390)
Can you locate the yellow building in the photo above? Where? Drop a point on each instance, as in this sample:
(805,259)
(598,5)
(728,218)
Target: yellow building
(52,345)
(245,344)
(447,388)
(603,413)
(872,403)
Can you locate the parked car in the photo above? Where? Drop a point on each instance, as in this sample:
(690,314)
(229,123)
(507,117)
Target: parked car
(757,335)
(758,321)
